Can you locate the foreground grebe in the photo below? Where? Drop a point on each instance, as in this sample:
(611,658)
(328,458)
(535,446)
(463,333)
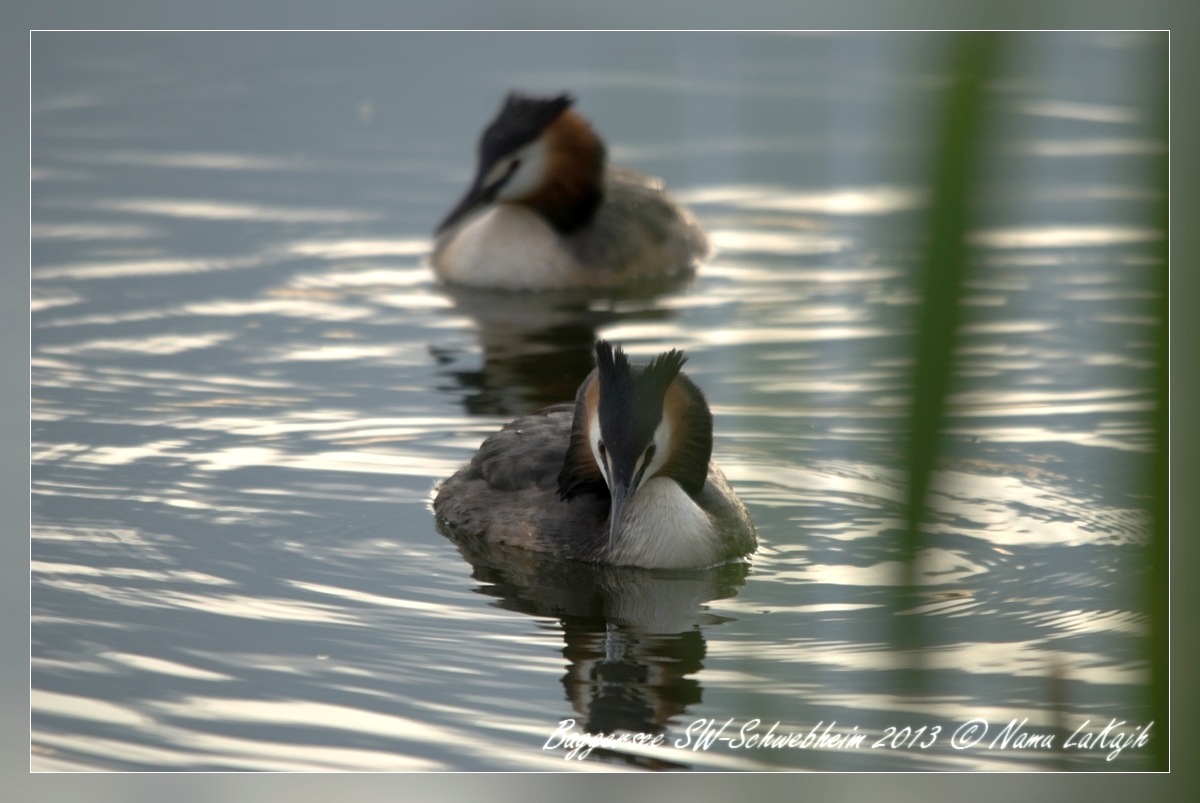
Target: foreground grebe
(543,212)
(623,476)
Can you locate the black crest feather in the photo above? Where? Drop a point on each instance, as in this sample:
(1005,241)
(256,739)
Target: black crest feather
(521,120)
(625,388)
(631,397)
(630,409)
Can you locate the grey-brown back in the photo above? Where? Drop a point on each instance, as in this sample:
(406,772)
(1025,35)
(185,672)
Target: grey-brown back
(508,493)
(638,230)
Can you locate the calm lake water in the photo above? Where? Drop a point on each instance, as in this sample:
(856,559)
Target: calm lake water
(246,383)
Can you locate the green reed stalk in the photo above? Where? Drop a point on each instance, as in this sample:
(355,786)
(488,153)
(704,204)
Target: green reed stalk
(955,169)
(1158,550)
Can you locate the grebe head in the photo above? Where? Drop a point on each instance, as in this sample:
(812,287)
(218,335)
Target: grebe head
(633,423)
(540,153)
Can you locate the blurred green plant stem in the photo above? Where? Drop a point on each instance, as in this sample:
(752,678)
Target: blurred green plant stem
(940,279)
(1158,559)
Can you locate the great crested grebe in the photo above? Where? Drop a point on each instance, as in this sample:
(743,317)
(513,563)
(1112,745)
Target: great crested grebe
(544,212)
(623,476)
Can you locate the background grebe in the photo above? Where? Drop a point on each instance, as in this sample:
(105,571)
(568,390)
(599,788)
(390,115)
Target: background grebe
(544,212)
(623,476)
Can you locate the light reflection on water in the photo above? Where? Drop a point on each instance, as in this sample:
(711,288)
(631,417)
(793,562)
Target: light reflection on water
(245,384)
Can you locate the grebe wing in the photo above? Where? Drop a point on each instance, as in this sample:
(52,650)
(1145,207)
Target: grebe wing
(639,222)
(528,453)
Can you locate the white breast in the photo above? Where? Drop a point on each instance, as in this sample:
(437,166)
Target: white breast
(665,529)
(506,246)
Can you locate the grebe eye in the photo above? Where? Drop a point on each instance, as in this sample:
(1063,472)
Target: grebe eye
(650,453)
(603,451)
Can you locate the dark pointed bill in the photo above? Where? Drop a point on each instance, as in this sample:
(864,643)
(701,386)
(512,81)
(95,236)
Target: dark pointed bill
(619,493)
(521,120)
(477,196)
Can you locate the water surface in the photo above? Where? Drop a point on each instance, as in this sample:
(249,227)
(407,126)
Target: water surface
(246,383)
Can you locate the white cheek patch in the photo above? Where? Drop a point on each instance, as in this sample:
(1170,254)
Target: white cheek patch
(497,172)
(594,441)
(529,175)
(662,447)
